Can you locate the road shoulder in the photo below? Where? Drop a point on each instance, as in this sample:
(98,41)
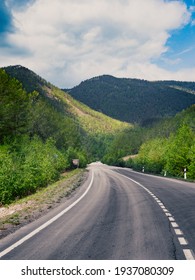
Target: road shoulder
(29,209)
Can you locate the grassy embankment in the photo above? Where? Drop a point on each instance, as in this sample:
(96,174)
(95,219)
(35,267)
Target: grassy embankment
(30,208)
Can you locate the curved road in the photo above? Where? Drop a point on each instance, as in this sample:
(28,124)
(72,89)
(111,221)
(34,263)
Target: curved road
(116,214)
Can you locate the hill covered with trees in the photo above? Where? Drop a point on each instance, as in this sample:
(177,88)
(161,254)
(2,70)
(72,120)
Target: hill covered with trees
(134,100)
(41,130)
(168,147)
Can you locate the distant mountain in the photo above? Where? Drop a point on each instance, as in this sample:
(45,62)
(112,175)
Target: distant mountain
(134,100)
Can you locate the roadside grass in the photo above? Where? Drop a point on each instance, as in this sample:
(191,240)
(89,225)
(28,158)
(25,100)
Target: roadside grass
(27,209)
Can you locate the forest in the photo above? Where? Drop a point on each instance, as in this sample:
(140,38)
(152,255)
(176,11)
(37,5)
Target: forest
(133,100)
(166,148)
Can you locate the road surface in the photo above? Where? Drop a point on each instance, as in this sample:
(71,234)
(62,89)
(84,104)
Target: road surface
(118,214)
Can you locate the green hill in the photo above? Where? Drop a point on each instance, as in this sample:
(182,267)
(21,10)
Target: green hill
(91,121)
(134,100)
(42,129)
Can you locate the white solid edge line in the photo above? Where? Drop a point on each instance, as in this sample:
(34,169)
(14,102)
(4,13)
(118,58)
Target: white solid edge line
(34,232)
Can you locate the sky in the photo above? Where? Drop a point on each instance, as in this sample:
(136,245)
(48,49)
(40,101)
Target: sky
(68,41)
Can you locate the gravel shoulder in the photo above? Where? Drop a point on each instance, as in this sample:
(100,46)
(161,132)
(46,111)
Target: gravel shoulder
(28,209)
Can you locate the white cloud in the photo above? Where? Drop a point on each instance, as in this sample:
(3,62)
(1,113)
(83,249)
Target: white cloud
(68,41)
(153,72)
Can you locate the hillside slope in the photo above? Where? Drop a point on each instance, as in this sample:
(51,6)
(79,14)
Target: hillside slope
(92,122)
(42,129)
(133,100)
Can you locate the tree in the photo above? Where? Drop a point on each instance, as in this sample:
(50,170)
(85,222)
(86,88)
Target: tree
(178,156)
(191,168)
(152,155)
(14,107)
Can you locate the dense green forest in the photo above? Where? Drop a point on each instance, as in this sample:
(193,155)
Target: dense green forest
(167,147)
(41,130)
(134,100)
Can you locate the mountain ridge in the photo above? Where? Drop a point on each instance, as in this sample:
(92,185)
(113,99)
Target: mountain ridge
(135,100)
(58,98)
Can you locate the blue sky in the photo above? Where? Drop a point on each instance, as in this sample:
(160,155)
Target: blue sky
(69,41)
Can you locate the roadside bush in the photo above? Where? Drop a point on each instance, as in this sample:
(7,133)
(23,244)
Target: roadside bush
(178,155)
(7,175)
(151,156)
(27,166)
(191,169)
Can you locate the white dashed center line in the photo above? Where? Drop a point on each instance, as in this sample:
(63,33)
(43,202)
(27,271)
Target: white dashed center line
(178,231)
(174,225)
(189,254)
(182,241)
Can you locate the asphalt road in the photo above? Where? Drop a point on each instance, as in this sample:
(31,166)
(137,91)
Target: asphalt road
(117,214)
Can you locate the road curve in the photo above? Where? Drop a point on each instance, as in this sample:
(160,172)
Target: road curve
(116,214)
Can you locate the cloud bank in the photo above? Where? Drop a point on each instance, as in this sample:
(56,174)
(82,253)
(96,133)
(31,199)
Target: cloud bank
(69,41)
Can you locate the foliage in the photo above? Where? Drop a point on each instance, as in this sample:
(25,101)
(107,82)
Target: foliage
(29,80)
(165,146)
(191,167)
(151,156)
(172,154)
(28,164)
(180,145)
(124,143)
(46,122)
(14,107)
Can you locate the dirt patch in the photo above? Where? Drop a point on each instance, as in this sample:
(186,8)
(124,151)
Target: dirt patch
(33,207)
(128,157)
(76,109)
